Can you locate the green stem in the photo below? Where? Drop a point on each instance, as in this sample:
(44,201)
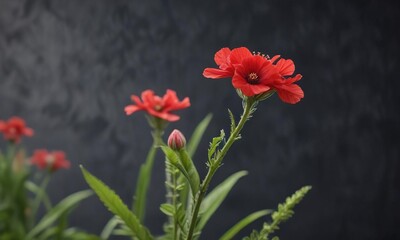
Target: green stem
(39,196)
(171,183)
(174,203)
(213,168)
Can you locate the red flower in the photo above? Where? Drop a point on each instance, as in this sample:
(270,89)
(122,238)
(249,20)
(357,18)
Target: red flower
(14,129)
(157,106)
(255,74)
(51,160)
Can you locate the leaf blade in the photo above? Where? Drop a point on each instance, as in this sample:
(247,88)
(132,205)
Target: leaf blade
(214,199)
(235,229)
(58,211)
(114,204)
(198,134)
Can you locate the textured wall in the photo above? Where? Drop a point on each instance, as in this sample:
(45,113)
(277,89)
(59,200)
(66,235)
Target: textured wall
(69,67)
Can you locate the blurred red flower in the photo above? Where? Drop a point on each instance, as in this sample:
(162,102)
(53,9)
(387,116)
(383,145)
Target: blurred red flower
(157,106)
(54,160)
(14,129)
(255,74)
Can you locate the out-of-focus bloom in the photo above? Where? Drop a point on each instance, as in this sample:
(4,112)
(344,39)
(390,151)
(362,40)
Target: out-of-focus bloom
(256,74)
(176,140)
(156,106)
(54,160)
(14,129)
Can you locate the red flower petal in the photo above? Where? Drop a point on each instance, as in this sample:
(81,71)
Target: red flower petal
(290,93)
(285,67)
(238,54)
(131,109)
(274,58)
(222,57)
(166,116)
(215,73)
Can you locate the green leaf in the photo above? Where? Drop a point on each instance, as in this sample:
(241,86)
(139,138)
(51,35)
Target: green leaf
(191,147)
(58,211)
(198,134)
(214,199)
(167,209)
(230,234)
(142,185)
(76,234)
(214,144)
(174,160)
(194,179)
(110,226)
(114,203)
(233,122)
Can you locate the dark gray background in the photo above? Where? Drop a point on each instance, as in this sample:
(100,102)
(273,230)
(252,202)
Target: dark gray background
(69,67)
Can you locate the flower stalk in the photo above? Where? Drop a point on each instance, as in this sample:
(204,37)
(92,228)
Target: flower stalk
(40,194)
(248,106)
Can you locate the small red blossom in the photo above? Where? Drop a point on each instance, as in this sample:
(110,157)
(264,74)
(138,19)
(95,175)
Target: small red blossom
(157,106)
(176,140)
(256,74)
(54,160)
(14,129)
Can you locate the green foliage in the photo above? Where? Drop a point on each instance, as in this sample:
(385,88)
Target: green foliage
(110,226)
(58,213)
(198,135)
(215,198)
(173,159)
(212,150)
(194,179)
(142,185)
(174,209)
(231,233)
(114,203)
(283,213)
(14,222)
(233,122)
(181,161)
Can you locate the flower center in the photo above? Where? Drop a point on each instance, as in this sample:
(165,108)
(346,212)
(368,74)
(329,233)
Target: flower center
(157,107)
(50,159)
(13,130)
(252,78)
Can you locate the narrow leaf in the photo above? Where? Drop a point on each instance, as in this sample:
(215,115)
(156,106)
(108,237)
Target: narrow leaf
(174,160)
(114,203)
(194,179)
(58,211)
(215,143)
(167,209)
(198,134)
(109,228)
(230,234)
(233,122)
(142,185)
(214,199)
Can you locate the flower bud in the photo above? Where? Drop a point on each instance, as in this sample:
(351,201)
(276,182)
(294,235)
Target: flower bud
(176,140)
